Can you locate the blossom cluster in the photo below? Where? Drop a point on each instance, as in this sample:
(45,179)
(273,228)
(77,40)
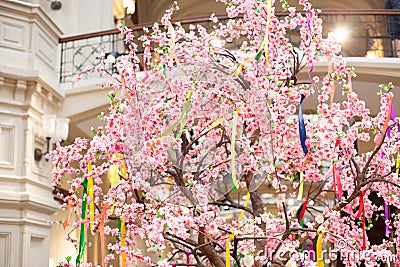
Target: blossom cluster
(190,134)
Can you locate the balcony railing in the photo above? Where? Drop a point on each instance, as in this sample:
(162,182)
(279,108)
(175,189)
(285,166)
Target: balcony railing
(366,36)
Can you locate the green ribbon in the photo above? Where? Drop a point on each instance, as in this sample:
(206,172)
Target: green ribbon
(119,229)
(82,237)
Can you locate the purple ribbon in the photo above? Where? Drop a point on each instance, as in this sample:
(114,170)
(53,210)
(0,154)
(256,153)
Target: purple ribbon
(393,118)
(302,128)
(387,230)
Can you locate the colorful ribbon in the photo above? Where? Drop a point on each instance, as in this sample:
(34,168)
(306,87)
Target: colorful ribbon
(364,243)
(301,187)
(101,230)
(113,174)
(173,56)
(302,128)
(349,81)
(146,59)
(70,210)
(263,46)
(361,205)
(361,211)
(302,209)
(182,119)
(82,236)
(331,84)
(233,142)
(91,196)
(125,88)
(337,184)
(320,256)
(246,202)
(387,229)
(390,116)
(310,67)
(228,249)
(122,232)
(187,258)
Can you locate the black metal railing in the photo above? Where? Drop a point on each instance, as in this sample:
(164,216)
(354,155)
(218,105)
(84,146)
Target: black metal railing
(367,36)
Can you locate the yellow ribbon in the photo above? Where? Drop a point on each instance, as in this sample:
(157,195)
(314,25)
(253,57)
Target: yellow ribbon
(301,187)
(123,233)
(245,204)
(228,249)
(265,41)
(91,196)
(114,175)
(264,44)
(182,119)
(214,124)
(320,256)
(233,141)
(397,166)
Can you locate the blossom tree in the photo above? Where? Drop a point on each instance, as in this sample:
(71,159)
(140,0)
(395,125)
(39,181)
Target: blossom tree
(204,128)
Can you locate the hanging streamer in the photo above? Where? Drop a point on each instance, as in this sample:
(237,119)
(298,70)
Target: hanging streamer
(173,56)
(182,119)
(146,59)
(70,210)
(124,88)
(390,116)
(310,67)
(361,206)
(302,128)
(364,244)
(233,143)
(301,187)
(263,46)
(246,202)
(101,230)
(337,184)
(320,255)
(187,258)
(82,236)
(266,37)
(385,125)
(122,231)
(302,210)
(349,81)
(387,229)
(91,196)
(331,84)
(361,211)
(113,173)
(228,249)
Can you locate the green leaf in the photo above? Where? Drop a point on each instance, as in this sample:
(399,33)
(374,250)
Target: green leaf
(259,54)
(68,258)
(159,215)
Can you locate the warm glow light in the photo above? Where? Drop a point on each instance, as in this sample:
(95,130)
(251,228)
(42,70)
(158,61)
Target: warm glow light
(49,125)
(129,5)
(340,35)
(290,202)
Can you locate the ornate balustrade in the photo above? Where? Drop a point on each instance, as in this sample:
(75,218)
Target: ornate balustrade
(362,33)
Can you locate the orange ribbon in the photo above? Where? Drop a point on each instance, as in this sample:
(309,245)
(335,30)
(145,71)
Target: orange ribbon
(70,210)
(101,230)
(385,125)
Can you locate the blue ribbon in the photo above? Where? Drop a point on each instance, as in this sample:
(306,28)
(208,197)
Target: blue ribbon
(302,127)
